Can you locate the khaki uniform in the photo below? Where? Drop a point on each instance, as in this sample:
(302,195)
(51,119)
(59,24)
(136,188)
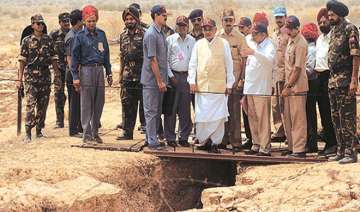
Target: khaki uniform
(281,39)
(237,42)
(295,106)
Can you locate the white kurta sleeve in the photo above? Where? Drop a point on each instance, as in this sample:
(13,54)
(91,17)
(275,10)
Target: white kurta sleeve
(230,79)
(193,66)
(267,56)
(168,43)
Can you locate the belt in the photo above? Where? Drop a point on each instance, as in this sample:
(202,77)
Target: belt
(180,72)
(93,65)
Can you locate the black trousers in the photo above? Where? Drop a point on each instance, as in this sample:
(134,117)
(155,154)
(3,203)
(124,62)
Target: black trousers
(311,116)
(246,126)
(74,106)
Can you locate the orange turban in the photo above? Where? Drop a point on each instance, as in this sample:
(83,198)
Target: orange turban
(261,18)
(310,31)
(322,13)
(89,11)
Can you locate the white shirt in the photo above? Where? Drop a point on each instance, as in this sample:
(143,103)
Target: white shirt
(322,48)
(211,107)
(179,52)
(259,67)
(228,64)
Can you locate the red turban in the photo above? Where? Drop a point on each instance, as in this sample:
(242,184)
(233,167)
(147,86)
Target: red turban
(322,13)
(261,18)
(310,31)
(89,11)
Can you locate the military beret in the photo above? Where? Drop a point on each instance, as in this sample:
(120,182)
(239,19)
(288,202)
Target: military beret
(196,13)
(208,22)
(64,17)
(338,8)
(136,5)
(37,18)
(158,9)
(131,11)
(292,22)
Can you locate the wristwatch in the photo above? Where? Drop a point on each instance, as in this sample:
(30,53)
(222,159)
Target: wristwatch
(289,86)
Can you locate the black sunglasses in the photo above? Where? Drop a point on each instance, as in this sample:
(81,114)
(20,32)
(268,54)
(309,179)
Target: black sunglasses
(228,19)
(196,19)
(39,23)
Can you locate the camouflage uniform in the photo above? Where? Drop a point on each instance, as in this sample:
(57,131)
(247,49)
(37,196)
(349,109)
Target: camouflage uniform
(131,56)
(58,36)
(168,31)
(344,44)
(37,56)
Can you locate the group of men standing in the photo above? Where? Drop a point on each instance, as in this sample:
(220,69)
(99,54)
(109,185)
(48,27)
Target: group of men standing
(223,73)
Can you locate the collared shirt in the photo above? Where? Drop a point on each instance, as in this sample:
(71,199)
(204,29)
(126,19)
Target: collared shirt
(281,39)
(179,52)
(90,49)
(310,61)
(258,72)
(344,44)
(193,65)
(322,52)
(154,46)
(237,43)
(69,40)
(295,57)
(197,36)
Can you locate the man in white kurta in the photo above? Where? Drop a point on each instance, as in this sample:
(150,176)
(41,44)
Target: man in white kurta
(211,79)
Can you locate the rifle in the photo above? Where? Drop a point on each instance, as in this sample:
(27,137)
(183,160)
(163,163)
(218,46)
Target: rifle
(19,109)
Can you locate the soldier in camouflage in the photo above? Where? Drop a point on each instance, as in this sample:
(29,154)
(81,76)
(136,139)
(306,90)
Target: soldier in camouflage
(58,36)
(343,61)
(131,56)
(37,53)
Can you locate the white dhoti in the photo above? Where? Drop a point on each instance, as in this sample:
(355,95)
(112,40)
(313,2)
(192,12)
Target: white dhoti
(211,113)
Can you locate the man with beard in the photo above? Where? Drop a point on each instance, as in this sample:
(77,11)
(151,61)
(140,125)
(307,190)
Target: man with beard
(58,37)
(91,54)
(73,96)
(323,74)
(281,39)
(344,54)
(131,58)
(237,43)
(211,78)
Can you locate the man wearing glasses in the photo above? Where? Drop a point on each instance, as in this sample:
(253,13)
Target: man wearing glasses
(196,18)
(211,78)
(36,54)
(58,37)
(237,43)
(154,76)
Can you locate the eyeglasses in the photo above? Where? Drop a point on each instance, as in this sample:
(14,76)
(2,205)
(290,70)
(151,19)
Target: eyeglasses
(207,29)
(196,19)
(228,19)
(39,23)
(66,21)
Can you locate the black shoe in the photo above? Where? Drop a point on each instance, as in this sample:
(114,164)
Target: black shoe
(171,143)
(98,140)
(247,145)
(214,149)
(161,137)
(184,143)
(313,149)
(251,152)
(119,126)
(39,133)
(348,159)
(222,146)
(278,139)
(124,137)
(330,150)
(236,149)
(27,138)
(59,125)
(336,158)
(286,153)
(76,135)
(157,147)
(87,140)
(297,155)
(263,154)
